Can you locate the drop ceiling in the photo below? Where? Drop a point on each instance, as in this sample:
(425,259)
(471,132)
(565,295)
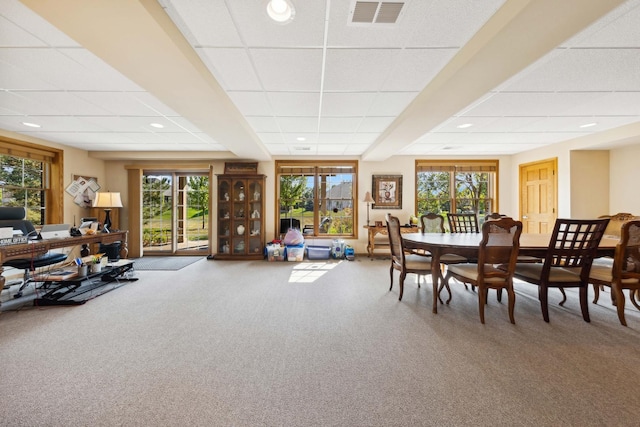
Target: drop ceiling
(441,78)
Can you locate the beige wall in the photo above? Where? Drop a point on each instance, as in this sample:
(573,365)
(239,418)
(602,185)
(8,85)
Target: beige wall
(589,175)
(624,195)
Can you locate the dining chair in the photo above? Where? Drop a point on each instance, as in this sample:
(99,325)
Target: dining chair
(493,215)
(567,263)
(625,271)
(405,263)
(432,223)
(463,223)
(497,256)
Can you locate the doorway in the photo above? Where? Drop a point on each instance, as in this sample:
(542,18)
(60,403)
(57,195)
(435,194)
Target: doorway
(175,213)
(538,196)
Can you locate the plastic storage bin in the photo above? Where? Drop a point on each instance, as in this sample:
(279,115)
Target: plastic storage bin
(318,252)
(275,252)
(295,253)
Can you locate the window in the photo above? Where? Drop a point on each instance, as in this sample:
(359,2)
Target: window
(27,179)
(456,186)
(318,197)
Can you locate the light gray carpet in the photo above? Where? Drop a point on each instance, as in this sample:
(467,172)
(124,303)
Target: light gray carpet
(167,263)
(254,343)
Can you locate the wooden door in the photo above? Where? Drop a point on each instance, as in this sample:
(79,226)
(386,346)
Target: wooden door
(538,196)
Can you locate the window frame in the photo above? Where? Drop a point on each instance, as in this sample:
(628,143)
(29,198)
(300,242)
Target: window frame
(305,167)
(452,167)
(53,160)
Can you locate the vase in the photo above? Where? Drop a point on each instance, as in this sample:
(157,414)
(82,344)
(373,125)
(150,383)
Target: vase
(240,229)
(96,268)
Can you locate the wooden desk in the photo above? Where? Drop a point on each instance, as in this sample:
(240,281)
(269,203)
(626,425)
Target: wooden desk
(468,244)
(373,231)
(39,247)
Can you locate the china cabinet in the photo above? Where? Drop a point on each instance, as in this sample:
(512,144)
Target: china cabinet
(240,217)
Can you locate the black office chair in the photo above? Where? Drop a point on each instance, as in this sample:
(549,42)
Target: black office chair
(15,217)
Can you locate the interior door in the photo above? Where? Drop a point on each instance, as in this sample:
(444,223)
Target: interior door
(538,196)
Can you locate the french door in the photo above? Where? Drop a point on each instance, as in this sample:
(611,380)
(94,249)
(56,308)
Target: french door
(175,213)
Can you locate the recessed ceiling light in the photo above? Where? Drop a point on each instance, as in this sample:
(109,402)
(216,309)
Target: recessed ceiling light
(302,148)
(281,11)
(465,125)
(588,125)
(301,138)
(31,125)
(156,125)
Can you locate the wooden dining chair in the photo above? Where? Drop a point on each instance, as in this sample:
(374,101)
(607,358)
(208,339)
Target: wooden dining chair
(494,215)
(463,223)
(497,258)
(402,261)
(567,263)
(625,271)
(432,223)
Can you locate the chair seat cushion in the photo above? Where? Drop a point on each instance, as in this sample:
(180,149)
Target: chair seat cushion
(470,271)
(452,258)
(417,262)
(39,261)
(556,274)
(603,274)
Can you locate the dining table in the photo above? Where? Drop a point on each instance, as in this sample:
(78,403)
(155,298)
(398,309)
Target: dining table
(468,245)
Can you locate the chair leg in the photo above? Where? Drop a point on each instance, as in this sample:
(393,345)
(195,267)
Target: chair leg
(564,296)
(620,302)
(632,297)
(482,300)
(444,283)
(512,303)
(544,302)
(402,277)
(596,293)
(391,274)
(499,295)
(584,303)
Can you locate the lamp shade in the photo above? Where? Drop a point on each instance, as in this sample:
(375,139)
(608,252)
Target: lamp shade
(107,200)
(368,198)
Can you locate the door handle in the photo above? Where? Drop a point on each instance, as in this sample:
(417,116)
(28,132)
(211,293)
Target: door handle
(524,217)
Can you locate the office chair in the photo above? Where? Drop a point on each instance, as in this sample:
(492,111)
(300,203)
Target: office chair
(15,217)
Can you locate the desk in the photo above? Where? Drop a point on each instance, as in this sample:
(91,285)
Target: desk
(374,230)
(467,245)
(39,247)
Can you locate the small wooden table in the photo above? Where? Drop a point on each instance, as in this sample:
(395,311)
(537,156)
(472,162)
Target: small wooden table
(374,230)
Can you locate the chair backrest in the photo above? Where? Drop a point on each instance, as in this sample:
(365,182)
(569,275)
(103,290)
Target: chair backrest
(616,221)
(432,223)
(463,223)
(395,240)
(500,245)
(494,215)
(11,216)
(574,244)
(626,261)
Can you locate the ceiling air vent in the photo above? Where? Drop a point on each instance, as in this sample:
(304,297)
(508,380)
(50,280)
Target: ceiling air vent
(375,12)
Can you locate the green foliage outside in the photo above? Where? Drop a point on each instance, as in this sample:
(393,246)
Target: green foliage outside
(471,192)
(22,184)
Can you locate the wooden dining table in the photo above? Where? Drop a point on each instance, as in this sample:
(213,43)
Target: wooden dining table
(468,244)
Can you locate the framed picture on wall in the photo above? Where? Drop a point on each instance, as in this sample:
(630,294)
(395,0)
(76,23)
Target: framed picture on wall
(387,191)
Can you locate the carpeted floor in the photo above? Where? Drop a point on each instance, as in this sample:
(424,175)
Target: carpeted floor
(166,263)
(255,343)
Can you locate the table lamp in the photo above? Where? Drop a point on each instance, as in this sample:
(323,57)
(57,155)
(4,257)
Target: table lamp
(107,201)
(368,199)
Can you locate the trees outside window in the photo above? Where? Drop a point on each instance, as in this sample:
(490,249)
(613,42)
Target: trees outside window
(22,183)
(456,186)
(319,197)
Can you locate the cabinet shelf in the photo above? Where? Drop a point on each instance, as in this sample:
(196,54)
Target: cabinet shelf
(240,217)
